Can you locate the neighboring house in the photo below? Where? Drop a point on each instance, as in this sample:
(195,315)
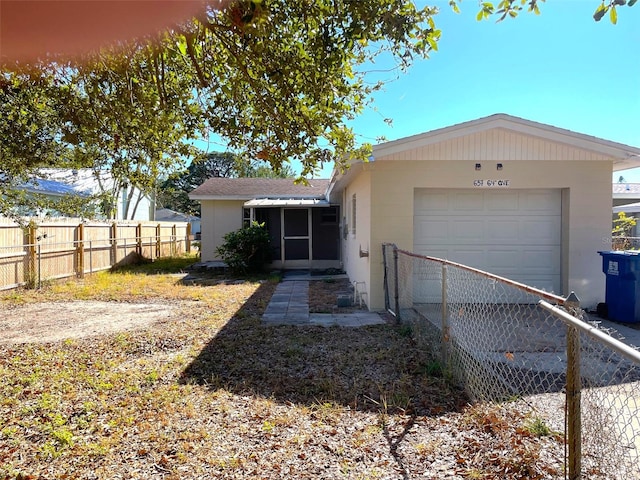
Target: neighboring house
(625,193)
(128,205)
(520,199)
(168,215)
(52,190)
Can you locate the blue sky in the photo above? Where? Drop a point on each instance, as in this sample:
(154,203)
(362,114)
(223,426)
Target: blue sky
(560,68)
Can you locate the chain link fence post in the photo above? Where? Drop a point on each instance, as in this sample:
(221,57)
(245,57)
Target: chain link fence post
(396,284)
(445,320)
(387,306)
(574,392)
(574,430)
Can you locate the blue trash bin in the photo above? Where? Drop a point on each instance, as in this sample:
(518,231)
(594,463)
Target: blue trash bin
(622,294)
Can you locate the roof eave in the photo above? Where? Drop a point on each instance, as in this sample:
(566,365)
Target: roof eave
(256,197)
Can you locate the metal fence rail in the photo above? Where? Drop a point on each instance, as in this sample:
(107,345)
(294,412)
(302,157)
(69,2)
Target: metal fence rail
(498,340)
(34,263)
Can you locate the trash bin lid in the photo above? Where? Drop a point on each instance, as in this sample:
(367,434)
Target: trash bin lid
(629,253)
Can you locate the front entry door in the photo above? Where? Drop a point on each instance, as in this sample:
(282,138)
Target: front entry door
(296,244)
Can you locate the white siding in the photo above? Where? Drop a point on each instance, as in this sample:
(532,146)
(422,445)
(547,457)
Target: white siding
(218,218)
(497,145)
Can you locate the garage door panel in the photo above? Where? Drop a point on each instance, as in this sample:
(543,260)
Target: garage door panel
(503,230)
(515,234)
(430,201)
(429,231)
(540,258)
(542,230)
(503,259)
(467,202)
(465,230)
(547,202)
(503,202)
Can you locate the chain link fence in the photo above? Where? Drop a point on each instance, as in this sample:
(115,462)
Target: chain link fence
(505,341)
(625,243)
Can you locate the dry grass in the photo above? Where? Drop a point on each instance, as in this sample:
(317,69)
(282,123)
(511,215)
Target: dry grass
(323,296)
(215,394)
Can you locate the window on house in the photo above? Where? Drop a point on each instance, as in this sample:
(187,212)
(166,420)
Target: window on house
(246,217)
(353,214)
(329,216)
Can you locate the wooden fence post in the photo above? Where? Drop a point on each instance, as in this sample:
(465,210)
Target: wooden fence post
(188,240)
(174,245)
(80,250)
(30,276)
(139,239)
(114,243)
(158,240)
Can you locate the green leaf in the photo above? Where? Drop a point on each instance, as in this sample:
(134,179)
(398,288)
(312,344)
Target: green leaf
(480,15)
(613,15)
(182,46)
(632,3)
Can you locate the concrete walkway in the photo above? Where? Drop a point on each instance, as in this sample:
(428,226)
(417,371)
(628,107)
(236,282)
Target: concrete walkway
(289,305)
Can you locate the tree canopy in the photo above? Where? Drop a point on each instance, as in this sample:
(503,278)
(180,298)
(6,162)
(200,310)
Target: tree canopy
(278,80)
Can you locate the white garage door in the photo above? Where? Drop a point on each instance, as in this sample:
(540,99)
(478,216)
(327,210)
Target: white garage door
(512,233)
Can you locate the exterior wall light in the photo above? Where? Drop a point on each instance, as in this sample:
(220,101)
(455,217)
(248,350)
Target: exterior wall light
(478,166)
(499,166)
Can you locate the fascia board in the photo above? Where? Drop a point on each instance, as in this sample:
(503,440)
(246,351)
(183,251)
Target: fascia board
(220,197)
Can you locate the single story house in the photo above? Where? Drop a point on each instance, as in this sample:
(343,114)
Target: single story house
(50,189)
(521,199)
(168,215)
(129,203)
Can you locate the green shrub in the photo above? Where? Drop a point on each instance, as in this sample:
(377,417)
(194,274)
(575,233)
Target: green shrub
(247,250)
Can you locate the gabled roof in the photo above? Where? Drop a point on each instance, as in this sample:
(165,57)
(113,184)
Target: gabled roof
(516,124)
(166,214)
(249,188)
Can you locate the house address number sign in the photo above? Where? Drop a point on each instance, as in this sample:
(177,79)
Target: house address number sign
(491,183)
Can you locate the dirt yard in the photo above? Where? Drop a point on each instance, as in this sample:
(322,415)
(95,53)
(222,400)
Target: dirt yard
(50,322)
(53,321)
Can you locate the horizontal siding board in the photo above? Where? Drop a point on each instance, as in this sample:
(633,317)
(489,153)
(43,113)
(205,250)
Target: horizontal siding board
(497,144)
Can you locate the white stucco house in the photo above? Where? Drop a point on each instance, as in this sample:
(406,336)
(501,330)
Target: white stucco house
(521,199)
